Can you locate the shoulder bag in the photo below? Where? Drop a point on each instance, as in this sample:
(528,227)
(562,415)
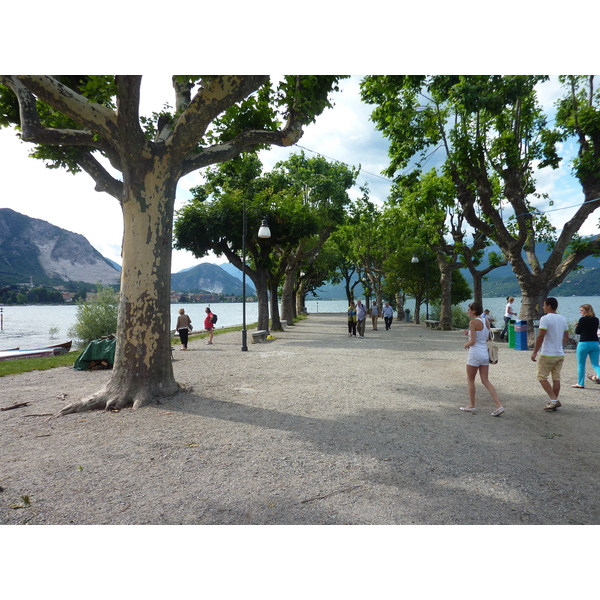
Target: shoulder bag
(492,350)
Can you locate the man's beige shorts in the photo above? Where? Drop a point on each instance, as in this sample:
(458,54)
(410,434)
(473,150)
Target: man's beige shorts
(549,365)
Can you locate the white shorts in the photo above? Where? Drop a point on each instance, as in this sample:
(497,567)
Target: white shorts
(478,357)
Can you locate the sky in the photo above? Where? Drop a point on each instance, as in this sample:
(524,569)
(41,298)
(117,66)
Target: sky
(343,133)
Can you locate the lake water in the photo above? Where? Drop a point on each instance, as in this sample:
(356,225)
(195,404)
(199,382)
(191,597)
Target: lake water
(30,326)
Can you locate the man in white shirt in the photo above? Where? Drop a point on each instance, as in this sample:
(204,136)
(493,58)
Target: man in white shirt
(361,316)
(554,333)
(388,315)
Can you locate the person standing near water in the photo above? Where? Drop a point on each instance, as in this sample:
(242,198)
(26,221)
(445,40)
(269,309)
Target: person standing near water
(509,314)
(183,327)
(209,325)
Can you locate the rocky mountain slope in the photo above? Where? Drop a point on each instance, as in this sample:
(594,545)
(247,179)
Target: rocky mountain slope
(210,278)
(34,250)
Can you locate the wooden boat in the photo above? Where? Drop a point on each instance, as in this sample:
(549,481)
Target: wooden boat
(64,347)
(36,352)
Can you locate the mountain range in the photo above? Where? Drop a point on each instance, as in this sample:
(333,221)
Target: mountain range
(217,279)
(34,250)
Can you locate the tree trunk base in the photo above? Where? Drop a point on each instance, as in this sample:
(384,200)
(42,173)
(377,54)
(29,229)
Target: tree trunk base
(110,398)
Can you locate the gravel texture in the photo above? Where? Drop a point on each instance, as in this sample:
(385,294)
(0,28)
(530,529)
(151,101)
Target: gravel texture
(310,428)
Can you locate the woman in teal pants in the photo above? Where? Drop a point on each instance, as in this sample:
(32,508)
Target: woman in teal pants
(588,345)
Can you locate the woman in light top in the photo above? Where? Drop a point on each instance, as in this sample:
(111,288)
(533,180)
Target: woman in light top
(184,326)
(478,360)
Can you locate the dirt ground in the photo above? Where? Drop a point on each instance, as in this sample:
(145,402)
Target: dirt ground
(312,428)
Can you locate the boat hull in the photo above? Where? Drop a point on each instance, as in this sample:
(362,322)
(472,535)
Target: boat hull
(36,352)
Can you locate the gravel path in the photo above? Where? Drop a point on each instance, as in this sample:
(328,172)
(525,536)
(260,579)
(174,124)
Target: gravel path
(311,428)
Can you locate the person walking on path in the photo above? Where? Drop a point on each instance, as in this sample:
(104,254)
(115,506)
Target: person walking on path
(361,317)
(388,316)
(509,314)
(374,315)
(554,333)
(352,319)
(478,360)
(183,327)
(209,325)
(588,345)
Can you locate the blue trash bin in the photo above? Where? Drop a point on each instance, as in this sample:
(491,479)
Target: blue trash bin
(521,335)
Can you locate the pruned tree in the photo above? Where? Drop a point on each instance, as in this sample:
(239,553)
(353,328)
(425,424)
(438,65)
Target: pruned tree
(320,191)
(93,124)
(494,138)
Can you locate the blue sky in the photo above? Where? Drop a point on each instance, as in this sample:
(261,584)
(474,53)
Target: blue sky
(343,133)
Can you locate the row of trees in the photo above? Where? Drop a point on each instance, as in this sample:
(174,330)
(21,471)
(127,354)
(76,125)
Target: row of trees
(15,294)
(317,234)
(491,130)
(494,138)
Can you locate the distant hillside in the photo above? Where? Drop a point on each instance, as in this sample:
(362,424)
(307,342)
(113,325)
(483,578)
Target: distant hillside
(34,250)
(235,272)
(207,277)
(501,282)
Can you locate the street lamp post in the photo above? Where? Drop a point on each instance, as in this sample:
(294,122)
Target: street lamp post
(415,259)
(263,232)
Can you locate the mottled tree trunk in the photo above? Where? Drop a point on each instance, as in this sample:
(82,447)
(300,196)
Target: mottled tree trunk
(300,299)
(274,303)
(142,370)
(446,270)
(287,294)
(400,306)
(262,293)
(533,292)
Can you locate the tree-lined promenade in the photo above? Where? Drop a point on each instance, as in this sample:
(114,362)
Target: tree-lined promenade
(489,136)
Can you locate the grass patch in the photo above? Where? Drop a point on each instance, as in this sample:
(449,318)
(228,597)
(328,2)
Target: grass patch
(175,341)
(24,365)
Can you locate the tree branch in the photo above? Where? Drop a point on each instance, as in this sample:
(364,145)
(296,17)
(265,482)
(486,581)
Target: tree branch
(220,93)
(243,141)
(89,115)
(31,127)
(128,109)
(105,182)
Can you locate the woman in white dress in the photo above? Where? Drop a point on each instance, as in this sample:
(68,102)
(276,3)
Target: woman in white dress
(479,360)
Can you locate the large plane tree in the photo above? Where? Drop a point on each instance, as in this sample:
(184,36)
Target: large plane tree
(93,124)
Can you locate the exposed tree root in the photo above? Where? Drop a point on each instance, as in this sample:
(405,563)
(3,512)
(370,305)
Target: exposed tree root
(110,399)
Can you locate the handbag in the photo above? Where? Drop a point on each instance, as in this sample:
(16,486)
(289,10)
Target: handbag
(492,351)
